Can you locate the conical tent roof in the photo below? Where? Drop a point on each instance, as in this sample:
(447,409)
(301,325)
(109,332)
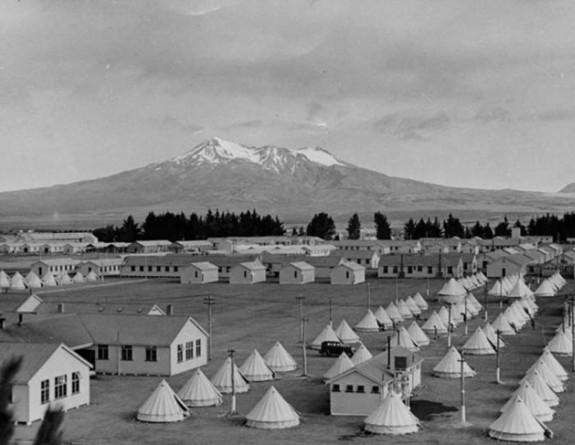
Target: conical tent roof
(368,323)
(327,334)
(278,359)
(547,375)
(497,289)
(63,278)
(402,338)
(472,300)
(199,391)
(434,324)
(404,309)
(542,389)
(91,276)
(412,305)
(394,313)
(345,333)
(444,315)
(222,379)
(418,298)
(478,344)
(163,405)
(502,325)
(272,412)
(561,344)
(342,364)
(451,292)
(517,424)
(554,365)
(382,318)
(392,417)
(545,289)
(450,366)
(48,280)
(519,290)
(361,355)
(32,280)
(532,400)
(492,336)
(254,368)
(417,334)
(17,282)
(4,279)
(78,278)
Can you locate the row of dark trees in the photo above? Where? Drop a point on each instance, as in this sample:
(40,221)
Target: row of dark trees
(178,226)
(560,228)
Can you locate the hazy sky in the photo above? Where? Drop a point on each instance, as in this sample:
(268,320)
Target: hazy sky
(457,92)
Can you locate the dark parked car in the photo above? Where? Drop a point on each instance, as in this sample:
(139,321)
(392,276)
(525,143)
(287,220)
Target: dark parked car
(334,348)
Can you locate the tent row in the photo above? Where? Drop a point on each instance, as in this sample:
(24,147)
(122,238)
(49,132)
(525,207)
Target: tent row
(524,415)
(164,405)
(33,281)
(472,282)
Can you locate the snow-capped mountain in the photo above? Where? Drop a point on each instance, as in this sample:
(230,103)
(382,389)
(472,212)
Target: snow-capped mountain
(218,151)
(293,184)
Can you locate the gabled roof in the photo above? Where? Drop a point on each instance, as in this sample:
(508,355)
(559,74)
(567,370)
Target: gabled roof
(83,330)
(357,254)
(252,265)
(56,261)
(324,261)
(157,242)
(352,266)
(34,356)
(204,266)
(301,265)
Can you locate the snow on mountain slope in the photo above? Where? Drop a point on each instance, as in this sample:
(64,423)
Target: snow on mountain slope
(218,151)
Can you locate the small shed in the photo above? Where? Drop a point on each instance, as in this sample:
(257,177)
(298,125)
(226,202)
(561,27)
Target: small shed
(298,272)
(248,273)
(347,273)
(199,273)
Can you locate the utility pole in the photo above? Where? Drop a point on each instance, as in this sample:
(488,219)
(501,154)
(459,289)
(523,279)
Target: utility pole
(368,297)
(465,317)
(330,312)
(303,346)
(572,334)
(498,368)
(463,416)
(209,301)
(232,353)
(485,317)
(449,327)
(300,299)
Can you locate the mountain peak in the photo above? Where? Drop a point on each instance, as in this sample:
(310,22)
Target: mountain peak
(218,151)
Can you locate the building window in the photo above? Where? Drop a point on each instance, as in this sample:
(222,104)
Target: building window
(198,348)
(141,268)
(375,389)
(394,269)
(449,269)
(75,382)
(347,274)
(133,268)
(409,269)
(60,387)
(348,388)
(335,388)
(127,353)
(429,269)
(150,268)
(158,268)
(167,268)
(420,268)
(189,350)
(180,353)
(44,391)
(176,268)
(360,388)
(151,354)
(295,273)
(245,274)
(103,352)
(385,269)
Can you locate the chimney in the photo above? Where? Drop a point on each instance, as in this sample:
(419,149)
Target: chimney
(61,308)
(169,310)
(2,323)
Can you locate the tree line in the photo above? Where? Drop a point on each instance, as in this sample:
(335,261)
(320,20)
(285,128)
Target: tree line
(178,226)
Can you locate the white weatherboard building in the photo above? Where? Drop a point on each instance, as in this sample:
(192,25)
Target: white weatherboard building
(50,374)
(347,273)
(248,273)
(199,273)
(298,272)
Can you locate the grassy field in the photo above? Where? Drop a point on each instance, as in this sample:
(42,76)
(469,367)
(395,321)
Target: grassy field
(248,317)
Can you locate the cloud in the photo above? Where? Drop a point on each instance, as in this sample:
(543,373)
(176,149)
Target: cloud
(416,127)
